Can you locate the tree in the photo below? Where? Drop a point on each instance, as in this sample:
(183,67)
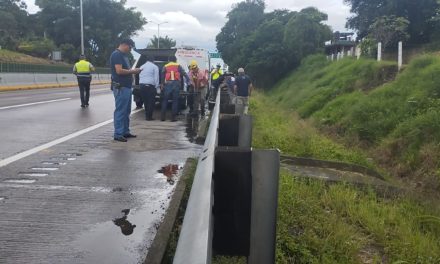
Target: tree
(164,43)
(419,14)
(305,34)
(13,23)
(389,30)
(243,19)
(105,22)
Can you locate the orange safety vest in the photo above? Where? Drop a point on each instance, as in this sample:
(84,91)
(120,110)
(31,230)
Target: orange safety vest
(172,72)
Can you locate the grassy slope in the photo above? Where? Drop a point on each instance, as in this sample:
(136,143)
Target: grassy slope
(359,102)
(10,56)
(338,223)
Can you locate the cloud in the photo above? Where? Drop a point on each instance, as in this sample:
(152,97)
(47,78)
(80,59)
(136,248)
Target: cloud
(197,22)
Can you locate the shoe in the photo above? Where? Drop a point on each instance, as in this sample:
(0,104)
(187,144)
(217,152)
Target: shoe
(120,139)
(87,105)
(149,119)
(173,120)
(129,135)
(83,106)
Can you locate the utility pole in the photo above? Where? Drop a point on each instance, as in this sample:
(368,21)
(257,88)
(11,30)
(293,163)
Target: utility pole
(82,27)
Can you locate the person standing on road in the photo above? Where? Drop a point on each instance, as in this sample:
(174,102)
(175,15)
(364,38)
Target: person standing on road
(242,90)
(83,69)
(230,81)
(149,83)
(172,74)
(199,81)
(215,80)
(122,80)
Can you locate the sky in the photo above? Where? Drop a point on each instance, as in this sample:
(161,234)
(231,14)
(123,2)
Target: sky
(197,22)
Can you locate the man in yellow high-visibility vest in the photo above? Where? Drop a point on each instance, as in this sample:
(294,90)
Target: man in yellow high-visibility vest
(83,69)
(215,80)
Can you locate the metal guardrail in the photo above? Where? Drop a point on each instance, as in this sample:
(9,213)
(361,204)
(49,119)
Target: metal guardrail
(9,67)
(195,240)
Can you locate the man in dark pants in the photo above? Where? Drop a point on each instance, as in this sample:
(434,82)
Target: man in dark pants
(82,69)
(172,76)
(149,83)
(122,80)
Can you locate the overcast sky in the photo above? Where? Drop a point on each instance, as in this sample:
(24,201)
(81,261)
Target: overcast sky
(197,22)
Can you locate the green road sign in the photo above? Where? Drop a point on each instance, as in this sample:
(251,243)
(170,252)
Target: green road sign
(215,55)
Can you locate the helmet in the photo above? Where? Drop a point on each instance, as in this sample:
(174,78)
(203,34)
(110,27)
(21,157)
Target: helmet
(240,70)
(193,64)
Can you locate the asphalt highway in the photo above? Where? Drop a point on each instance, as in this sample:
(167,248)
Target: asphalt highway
(68,192)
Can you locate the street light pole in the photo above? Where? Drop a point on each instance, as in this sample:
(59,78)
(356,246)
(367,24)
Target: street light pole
(82,27)
(158,31)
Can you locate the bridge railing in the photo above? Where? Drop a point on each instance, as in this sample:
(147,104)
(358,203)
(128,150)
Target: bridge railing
(195,240)
(233,201)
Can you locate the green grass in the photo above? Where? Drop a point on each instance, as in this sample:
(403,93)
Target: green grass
(15,57)
(340,224)
(277,128)
(318,223)
(363,103)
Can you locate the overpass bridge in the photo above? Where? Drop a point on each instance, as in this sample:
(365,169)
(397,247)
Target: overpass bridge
(70,194)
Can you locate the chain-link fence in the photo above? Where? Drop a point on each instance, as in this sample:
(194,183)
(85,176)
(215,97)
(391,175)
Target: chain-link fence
(40,68)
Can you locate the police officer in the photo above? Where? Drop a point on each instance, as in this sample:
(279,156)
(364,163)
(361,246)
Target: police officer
(172,76)
(82,69)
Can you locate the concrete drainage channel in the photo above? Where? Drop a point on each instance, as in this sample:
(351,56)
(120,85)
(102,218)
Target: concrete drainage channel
(336,172)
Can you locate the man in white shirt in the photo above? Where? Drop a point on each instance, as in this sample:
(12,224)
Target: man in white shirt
(149,83)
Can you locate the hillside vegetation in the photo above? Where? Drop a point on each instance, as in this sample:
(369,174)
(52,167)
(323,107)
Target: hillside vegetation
(15,57)
(393,118)
(339,223)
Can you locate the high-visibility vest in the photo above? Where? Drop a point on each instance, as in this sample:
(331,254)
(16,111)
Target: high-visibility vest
(83,68)
(172,72)
(216,74)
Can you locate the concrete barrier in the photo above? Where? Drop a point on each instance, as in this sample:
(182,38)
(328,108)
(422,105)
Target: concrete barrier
(18,81)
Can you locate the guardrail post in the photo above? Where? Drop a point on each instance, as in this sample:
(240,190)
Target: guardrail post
(235,131)
(232,201)
(265,176)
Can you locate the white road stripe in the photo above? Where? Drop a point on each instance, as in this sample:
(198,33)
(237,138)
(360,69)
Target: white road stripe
(36,103)
(29,152)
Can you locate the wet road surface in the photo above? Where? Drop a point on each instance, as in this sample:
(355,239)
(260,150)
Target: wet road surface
(88,199)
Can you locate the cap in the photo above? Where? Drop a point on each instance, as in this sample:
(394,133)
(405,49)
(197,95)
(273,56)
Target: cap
(218,65)
(240,70)
(82,56)
(128,42)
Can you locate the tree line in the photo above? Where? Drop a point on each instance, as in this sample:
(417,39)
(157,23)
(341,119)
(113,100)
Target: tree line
(57,27)
(271,44)
(268,45)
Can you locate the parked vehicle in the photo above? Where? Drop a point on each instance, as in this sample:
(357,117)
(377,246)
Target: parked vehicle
(161,57)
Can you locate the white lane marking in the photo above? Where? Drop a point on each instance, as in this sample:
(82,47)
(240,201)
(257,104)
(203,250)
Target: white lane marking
(29,152)
(42,102)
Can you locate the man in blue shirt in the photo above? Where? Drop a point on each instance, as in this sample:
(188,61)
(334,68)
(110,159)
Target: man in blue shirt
(242,90)
(122,80)
(149,84)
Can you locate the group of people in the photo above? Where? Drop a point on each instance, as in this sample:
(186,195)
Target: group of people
(173,77)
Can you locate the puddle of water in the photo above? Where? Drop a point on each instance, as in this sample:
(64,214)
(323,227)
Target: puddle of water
(20,181)
(45,169)
(127,228)
(32,174)
(170,171)
(118,240)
